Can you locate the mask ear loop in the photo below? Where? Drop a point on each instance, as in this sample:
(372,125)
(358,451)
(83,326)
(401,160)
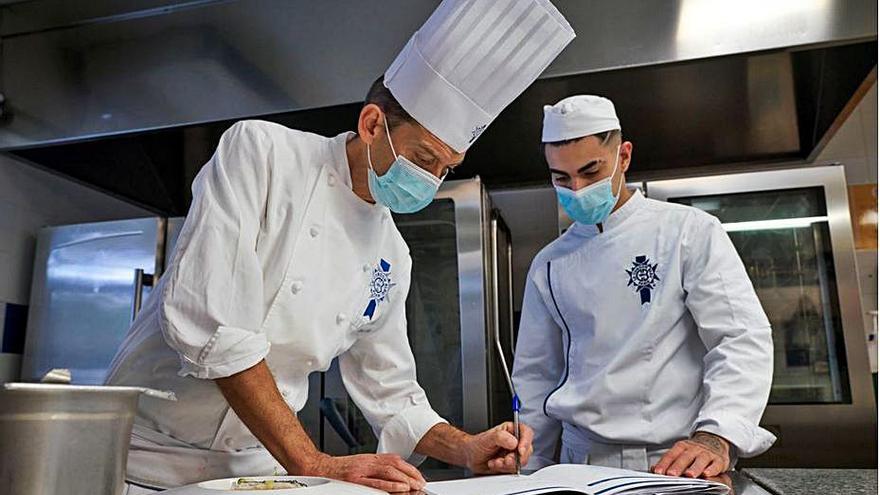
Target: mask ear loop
(387,133)
(616,164)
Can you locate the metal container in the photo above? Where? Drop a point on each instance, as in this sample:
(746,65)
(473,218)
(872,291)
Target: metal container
(59,439)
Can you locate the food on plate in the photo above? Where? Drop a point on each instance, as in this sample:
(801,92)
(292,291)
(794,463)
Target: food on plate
(267,484)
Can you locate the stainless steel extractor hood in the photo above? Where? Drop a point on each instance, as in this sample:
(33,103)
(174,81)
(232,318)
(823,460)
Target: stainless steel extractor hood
(130,97)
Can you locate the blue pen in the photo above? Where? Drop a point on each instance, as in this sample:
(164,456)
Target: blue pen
(516,406)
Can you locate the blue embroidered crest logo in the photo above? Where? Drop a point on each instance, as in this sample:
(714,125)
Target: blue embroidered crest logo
(380,285)
(643,276)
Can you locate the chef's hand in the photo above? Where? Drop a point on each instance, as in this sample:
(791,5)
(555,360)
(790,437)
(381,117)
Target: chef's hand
(386,472)
(492,451)
(704,454)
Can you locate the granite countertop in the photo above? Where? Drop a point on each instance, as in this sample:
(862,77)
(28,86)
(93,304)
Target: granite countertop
(815,481)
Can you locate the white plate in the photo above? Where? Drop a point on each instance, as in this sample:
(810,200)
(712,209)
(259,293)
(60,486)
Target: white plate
(316,486)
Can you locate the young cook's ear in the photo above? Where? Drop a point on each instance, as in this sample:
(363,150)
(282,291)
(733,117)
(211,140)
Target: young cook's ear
(625,156)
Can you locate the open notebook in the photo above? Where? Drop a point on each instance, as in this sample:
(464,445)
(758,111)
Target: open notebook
(560,479)
(577,479)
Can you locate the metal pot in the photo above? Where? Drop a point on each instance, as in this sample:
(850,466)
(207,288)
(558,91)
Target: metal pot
(66,439)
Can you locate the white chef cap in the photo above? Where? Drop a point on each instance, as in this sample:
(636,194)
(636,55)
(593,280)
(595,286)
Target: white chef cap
(578,116)
(470,59)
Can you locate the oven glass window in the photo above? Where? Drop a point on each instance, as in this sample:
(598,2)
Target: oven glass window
(783,239)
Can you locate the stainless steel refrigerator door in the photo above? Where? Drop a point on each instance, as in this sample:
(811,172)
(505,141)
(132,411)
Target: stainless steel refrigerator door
(447,320)
(83,292)
(792,229)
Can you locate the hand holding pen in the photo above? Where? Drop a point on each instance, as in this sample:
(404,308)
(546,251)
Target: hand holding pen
(495,450)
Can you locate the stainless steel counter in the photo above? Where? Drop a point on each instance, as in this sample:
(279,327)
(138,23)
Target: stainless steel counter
(815,481)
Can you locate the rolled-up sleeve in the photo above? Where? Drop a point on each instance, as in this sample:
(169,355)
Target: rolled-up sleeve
(537,369)
(379,373)
(212,303)
(738,366)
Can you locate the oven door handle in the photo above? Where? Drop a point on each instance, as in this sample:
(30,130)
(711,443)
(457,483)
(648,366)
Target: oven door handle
(141,280)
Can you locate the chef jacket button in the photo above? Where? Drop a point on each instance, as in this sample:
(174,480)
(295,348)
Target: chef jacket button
(284,392)
(227,441)
(310,363)
(296,287)
(331,181)
(314,231)
(340,318)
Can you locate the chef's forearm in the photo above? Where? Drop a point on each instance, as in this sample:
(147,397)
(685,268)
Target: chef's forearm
(254,397)
(445,443)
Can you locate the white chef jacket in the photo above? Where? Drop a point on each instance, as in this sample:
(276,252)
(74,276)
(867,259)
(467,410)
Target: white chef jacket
(278,260)
(642,334)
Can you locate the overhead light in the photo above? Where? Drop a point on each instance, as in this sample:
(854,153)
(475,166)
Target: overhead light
(707,23)
(778,224)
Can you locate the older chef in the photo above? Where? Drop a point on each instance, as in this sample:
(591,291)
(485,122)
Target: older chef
(642,341)
(289,258)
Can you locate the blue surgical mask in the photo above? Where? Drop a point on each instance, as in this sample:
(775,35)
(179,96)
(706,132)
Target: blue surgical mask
(592,204)
(405,187)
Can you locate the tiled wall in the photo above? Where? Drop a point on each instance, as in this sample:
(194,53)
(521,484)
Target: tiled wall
(855,145)
(31,199)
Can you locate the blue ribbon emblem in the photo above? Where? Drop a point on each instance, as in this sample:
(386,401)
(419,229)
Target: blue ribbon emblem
(643,276)
(380,285)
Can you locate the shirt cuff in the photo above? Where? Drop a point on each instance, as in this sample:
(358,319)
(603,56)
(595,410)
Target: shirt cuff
(402,433)
(747,438)
(229,351)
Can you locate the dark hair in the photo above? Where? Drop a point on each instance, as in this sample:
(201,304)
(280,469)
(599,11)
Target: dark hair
(604,138)
(381,96)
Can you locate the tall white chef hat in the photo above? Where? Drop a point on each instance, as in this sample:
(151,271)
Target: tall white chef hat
(578,116)
(470,59)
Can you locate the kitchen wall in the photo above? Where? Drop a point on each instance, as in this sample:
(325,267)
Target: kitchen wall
(30,199)
(855,145)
